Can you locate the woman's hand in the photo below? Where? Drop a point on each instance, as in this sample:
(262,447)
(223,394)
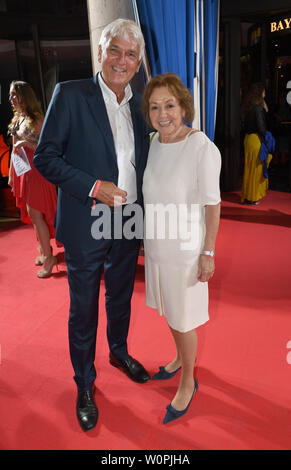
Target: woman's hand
(18,145)
(206,267)
(10,181)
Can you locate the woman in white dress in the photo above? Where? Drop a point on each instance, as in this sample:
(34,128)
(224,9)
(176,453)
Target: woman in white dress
(182,211)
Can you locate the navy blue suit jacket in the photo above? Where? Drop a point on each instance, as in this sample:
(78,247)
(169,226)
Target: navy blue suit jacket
(76,148)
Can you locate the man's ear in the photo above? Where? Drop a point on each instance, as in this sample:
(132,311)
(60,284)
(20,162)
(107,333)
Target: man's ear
(99,53)
(138,66)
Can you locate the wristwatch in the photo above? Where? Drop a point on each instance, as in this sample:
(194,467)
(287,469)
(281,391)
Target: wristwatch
(208,253)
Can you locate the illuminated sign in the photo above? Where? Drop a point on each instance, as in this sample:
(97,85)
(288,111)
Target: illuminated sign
(281,25)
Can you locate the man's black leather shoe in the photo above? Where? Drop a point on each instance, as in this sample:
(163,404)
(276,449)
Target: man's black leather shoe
(131,367)
(87,412)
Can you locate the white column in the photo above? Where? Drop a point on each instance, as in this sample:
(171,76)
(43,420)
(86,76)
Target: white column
(101,13)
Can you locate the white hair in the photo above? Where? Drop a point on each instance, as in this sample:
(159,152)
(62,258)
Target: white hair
(125,29)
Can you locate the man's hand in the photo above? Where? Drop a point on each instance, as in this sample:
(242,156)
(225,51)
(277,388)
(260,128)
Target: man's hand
(110,194)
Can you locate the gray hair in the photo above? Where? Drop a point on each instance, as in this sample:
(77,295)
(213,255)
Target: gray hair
(125,29)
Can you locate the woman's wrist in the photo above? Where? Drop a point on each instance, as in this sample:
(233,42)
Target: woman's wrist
(209,253)
(19,143)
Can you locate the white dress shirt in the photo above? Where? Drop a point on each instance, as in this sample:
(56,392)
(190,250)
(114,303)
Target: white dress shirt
(122,129)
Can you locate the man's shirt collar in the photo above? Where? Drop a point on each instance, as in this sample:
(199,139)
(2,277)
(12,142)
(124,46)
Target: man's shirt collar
(110,95)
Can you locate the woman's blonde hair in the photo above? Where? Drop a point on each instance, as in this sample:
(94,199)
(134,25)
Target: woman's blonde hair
(30,107)
(176,86)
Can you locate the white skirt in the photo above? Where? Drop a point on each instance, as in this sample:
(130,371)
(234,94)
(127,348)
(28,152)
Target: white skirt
(177,294)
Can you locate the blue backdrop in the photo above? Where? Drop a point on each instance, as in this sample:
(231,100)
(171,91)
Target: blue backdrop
(168,28)
(172,35)
(209,56)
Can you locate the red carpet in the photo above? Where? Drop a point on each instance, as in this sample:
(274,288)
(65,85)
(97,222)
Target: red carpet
(244,371)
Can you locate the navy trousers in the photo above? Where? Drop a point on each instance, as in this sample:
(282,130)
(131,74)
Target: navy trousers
(117,259)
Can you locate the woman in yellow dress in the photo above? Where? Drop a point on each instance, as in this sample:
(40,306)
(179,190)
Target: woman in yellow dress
(255,184)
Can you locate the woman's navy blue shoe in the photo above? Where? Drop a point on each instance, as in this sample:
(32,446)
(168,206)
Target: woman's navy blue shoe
(164,375)
(172,413)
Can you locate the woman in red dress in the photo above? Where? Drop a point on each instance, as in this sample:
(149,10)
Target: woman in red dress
(35,196)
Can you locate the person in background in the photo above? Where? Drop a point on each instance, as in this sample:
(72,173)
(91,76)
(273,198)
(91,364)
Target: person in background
(183,170)
(4,157)
(282,115)
(255,180)
(35,196)
(94,146)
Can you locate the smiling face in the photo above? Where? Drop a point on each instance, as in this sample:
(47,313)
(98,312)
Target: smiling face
(14,100)
(120,62)
(166,113)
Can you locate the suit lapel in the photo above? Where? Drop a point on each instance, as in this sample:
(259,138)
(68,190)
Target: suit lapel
(136,122)
(98,109)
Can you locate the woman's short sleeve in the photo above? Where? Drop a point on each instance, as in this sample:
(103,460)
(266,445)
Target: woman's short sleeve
(208,173)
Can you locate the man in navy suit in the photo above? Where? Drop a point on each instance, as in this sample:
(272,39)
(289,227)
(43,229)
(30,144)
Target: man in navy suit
(94,146)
